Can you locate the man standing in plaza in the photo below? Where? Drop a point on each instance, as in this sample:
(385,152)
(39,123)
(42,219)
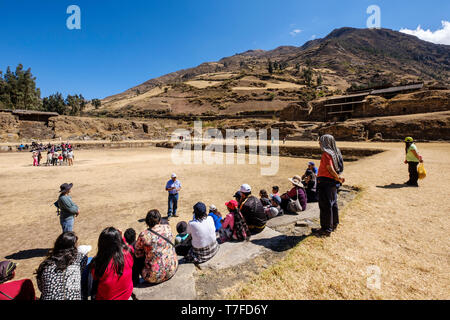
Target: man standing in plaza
(173,186)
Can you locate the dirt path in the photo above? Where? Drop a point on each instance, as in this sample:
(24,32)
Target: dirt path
(401,233)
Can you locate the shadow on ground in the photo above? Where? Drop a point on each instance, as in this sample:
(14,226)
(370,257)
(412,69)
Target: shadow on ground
(394,186)
(28,254)
(279,243)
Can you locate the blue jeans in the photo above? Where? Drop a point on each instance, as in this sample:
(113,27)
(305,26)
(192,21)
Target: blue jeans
(67,224)
(173,204)
(86,287)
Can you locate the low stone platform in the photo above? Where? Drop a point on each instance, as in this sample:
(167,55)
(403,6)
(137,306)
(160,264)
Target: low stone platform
(180,287)
(230,254)
(312,212)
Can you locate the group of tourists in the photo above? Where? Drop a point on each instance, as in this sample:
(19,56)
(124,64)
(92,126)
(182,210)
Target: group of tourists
(61,154)
(124,260)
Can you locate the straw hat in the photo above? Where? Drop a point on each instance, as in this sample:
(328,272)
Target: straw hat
(296,180)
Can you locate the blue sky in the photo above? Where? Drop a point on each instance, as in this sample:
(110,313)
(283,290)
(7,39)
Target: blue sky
(124,43)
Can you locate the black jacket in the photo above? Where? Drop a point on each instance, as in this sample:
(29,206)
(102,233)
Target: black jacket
(253,212)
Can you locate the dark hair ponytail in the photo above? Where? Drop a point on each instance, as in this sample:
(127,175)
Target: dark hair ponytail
(110,247)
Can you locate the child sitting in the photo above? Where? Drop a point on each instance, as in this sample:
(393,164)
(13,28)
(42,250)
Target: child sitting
(264,198)
(234,226)
(183,240)
(130,238)
(274,209)
(216,215)
(275,190)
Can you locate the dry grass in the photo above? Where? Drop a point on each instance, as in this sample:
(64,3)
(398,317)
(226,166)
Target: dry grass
(201,84)
(403,231)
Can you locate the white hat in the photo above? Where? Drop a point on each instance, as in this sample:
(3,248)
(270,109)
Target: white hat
(212,207)
(174,175)
(245,188)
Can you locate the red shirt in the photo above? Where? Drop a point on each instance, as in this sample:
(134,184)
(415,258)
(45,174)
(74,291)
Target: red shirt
(18,290)
(324,162)
(113,287)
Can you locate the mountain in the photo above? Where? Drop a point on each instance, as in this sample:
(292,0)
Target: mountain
(239,84)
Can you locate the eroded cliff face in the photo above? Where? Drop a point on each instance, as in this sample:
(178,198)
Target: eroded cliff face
(9,127)
(432,126)
(82,128)
(424,101)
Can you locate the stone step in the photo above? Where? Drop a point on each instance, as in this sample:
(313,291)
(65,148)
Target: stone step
(180,287)
(231,254)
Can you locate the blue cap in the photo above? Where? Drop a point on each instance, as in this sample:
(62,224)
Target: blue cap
(276,198)
(311,163)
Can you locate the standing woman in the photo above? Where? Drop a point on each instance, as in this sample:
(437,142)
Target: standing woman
(59,275)
(111,268)
(412,159)
(68,210)
(328,176)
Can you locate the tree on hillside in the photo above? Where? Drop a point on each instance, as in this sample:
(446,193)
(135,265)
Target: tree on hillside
(270,67)
(55,103)
(319,80)
(18,90)
(307,75)
(96,103)
(75,104)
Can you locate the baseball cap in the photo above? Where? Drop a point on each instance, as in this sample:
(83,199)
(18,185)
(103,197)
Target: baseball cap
(245,188)
(232,204)
(212,207)
(276,198)
(173,175)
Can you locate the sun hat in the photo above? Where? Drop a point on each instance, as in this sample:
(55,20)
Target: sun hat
(296,180)
(245,188)
(6,270)
(409,139)
(173,175)
(232,204)
(65,187)
(212,207)
(276,198)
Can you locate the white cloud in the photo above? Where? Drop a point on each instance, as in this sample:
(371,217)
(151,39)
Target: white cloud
(313,37)
(295,32)
(440,36)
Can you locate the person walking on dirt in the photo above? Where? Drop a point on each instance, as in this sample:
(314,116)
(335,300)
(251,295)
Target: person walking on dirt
(412,159)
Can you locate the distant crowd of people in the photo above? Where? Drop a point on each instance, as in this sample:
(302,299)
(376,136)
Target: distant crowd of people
(57,155)
(124,260)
